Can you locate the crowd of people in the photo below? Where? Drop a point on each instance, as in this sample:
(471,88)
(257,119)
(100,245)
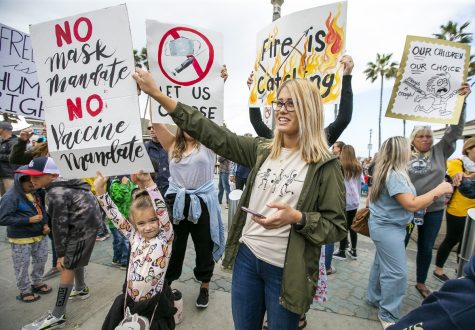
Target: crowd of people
(280,248)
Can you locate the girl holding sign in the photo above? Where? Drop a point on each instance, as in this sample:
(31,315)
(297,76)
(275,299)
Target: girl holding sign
(274,256)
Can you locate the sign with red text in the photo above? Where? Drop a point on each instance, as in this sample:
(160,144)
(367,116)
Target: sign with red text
(307,44)
(19,88)
(85,64)
(428,80)
(186,63)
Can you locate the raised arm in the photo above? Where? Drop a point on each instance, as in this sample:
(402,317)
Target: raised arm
(259,126)
(219,139)
(256,119)
(19,155)
(454,132)
(161,212)
(343,119)
(164,136)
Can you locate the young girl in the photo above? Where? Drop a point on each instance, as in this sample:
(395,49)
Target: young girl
(150,236)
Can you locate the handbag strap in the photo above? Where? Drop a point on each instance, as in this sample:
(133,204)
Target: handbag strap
(126,288)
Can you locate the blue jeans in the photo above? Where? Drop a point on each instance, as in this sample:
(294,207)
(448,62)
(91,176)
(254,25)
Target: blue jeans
(388,279)
(427,233)
(255,290)
(120,245)
(222,186)
(329,248)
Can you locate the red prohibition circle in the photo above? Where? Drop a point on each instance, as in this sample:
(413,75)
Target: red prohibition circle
(174,34)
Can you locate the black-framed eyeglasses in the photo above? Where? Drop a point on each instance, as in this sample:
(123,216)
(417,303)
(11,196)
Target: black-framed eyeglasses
(279,105)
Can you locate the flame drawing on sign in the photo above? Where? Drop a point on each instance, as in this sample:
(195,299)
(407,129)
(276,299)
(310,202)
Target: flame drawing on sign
(302,62)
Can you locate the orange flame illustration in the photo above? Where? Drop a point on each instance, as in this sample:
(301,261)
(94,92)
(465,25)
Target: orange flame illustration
(303,60)
(335,90)
(276,66)
(334,40)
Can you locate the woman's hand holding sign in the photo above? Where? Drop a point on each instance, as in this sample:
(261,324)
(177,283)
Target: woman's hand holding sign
(146,83)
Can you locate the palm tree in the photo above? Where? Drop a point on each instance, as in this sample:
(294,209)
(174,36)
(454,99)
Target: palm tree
(452,32)
(384,68)
(141,61)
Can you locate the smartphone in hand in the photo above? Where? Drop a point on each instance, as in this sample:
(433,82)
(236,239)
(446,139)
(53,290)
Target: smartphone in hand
(245,209)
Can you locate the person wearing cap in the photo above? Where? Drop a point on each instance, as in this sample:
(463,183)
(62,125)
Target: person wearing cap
(76,217)
(7,170)
(427,168)
(457,208)
(22,209)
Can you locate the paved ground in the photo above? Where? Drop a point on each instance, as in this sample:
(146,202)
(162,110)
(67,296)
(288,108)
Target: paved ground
(344,310)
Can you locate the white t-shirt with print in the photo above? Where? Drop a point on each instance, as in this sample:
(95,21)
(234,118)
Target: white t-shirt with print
(278,180)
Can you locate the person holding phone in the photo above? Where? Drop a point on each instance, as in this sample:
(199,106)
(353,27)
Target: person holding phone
(273,257)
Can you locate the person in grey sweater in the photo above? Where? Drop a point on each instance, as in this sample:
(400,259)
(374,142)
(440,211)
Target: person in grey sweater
(427,169)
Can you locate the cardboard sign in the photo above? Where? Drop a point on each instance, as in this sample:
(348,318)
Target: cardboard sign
(307,44)
(19,88)
(186,64)
(85,65)
(427,83)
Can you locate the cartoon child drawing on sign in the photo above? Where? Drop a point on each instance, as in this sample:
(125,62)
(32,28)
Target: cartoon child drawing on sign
(438,88)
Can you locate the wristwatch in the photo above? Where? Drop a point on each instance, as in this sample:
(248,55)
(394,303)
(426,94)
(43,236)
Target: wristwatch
(299,225)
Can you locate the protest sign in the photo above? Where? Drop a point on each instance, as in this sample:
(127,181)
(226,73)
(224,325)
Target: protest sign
(186,64)
(307,44)
(85,65)
(427,83)
(19,88)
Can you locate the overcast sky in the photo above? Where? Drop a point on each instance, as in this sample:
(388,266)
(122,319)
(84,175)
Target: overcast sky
(372,27)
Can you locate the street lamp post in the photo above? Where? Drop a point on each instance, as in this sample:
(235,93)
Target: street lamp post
(369,144)
(276,10)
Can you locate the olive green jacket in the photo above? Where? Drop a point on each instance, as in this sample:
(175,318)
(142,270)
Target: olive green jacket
(322,200)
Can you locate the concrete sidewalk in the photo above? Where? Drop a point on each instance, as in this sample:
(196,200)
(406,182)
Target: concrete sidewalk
(345,308)
(105,283)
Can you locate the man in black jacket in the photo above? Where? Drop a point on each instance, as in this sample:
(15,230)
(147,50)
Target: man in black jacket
(7,170)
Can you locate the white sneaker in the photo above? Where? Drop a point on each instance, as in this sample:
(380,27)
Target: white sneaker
(48,321)
(385,324)
(83,294)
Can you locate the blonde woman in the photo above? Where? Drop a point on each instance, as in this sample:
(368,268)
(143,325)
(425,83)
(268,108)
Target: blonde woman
(393,202)
(274,255)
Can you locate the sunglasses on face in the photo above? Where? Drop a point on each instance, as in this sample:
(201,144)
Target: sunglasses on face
(424,136)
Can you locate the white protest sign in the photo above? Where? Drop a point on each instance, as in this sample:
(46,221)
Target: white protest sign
(19,88)
(85,64)
(186,64)
(307,44)
(427,83)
